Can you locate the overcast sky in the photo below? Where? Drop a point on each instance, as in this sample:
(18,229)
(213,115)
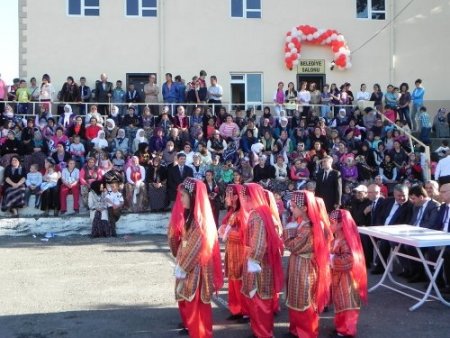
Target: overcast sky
(9,42)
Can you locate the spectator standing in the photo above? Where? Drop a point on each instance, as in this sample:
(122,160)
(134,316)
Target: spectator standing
(98,211)
(279,99)
(170,92)
(103,93)
(118,96)
(132,96)
(22,97)
(151,91)
(442,173)
(329,184)
(424,124)
(403,104)
(417,102)
(47,92)
(215,93)
(114,202)
(70,92)
(85,95)
(181,89)
(441,124)
(3,94)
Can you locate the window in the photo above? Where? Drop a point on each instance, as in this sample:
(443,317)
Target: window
(250,9)
(83,7)
(371,9)
(246,90)
(142,8)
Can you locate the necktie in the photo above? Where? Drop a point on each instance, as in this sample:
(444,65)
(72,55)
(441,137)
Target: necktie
(372,213)
(325,175)
(445,220)
(419,216)
(181,170)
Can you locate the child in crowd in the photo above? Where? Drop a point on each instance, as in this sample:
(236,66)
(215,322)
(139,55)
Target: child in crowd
(425,123)
(114,202)
(118,160)
(300,173)
(77,150)
(33,182)
(50,179)
(287,194)
(98,211)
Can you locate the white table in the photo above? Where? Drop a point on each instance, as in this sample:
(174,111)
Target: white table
(415,237)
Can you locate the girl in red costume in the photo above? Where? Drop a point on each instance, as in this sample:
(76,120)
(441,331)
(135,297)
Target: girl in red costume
(193,241)
(348,271)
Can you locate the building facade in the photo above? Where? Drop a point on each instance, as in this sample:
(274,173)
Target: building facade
(239,41)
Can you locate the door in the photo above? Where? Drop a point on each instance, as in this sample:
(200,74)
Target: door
(246,90)
(318,79)
(139,80)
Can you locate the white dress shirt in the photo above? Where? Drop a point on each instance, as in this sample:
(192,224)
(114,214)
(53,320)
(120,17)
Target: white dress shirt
(391,214)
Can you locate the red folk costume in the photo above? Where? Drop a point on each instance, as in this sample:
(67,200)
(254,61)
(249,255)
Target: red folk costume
(262,276)
(308,277)
(231,231)
(348,271)
(193,241)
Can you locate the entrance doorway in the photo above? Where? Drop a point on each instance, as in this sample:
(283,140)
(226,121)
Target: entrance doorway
(139,80)
(318,79)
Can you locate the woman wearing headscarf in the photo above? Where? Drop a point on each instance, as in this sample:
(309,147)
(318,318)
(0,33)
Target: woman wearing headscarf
(156,178)
(441,123)
(14,186)
(100,143)
(49,188)
(135,190)
(140,138)
(348,273)
(110,130)
(99,211)
(11,145)
(67,119)
(120,142)
(192,237)
(308,280)
(88,174)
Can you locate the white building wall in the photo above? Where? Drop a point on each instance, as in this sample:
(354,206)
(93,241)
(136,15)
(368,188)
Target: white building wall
(200,34)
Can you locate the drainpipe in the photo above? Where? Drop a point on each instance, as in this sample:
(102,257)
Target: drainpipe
(161,30)
(392,46)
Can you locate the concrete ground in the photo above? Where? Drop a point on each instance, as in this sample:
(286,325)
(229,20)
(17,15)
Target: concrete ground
(123,287)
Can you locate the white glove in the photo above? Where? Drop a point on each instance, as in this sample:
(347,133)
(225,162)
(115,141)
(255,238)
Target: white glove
(291,225)
(226,232)
(253,266)
(179,273)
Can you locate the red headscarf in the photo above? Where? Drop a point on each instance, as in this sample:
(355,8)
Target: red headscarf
(274,211)
(351,235)
(244,210)
(203,216)
(321,248)
(257,200)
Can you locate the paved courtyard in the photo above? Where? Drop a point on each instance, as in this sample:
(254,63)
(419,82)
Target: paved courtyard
(85,288)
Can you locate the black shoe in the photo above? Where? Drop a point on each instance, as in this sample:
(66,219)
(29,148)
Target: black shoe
(417,278)
(183,332)
(180,325)
(289,335)
(243,320)
(377,271)
(235,317)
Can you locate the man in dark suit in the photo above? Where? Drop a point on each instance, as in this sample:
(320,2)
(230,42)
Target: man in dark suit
(358,205)
(329,185)
(424,214)
(103,91)
(176,175)
(395,210)
(372,214)
(442,223)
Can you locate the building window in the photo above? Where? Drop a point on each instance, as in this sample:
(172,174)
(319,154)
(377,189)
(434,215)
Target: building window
(371,9)
(142,8)
(250,9)
(246,90)
(83,7)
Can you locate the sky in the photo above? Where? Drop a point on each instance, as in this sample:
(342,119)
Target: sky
(9,56)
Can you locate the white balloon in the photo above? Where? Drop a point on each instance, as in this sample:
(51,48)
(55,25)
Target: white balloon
(321,31)
(342,50)
(288,38)
(309,37)
(333,36)
(340,37)
(294,31)
(316,35)
(346,52)
(302,36)
(294,50)
(349,64)
(287,54)
(295,62)
(291,45)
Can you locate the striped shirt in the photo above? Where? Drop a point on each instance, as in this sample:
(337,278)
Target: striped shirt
(425,120)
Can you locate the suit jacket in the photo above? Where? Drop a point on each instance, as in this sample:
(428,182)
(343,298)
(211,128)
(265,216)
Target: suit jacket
(438,223)
(429,214)
(401,216)
(376,214)
(101,95)
(174,178)
(330,190)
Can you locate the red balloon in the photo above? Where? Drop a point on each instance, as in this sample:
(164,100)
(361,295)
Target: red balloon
(287,49)
(294,56)
(288,33)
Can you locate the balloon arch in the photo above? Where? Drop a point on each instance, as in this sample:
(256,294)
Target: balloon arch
(316,36)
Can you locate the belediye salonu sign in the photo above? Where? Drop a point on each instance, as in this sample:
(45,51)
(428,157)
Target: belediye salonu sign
(311,66)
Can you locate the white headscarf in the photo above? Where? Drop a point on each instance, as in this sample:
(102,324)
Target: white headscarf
(113,124)
(140,138)
(100,141)
(67,114)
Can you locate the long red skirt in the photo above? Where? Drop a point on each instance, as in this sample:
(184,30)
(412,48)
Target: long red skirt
(304,324)
(261,316)
(236,300)
(346,322)
(196,316)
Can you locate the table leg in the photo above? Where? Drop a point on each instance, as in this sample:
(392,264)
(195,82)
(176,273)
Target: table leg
(432,277)
(387,267)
